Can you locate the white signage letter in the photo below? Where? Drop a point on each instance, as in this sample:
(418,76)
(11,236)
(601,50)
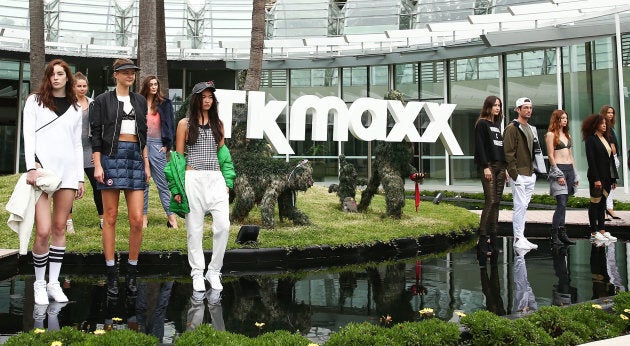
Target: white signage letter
(226,99)
(377,130)
(438,127)
(321,108)
(404,117)
(261,121)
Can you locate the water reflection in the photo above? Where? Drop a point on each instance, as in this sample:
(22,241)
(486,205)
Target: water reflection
(196,312)
(491,288)
(524,298)
(606,278)
(563,292)
(320,301)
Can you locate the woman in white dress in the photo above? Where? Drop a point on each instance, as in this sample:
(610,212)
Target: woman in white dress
(52,140)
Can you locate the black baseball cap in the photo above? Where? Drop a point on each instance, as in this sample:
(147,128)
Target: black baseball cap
(201,86)
(126,67)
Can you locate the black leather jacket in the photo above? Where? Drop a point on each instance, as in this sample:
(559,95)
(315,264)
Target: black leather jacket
(106,114)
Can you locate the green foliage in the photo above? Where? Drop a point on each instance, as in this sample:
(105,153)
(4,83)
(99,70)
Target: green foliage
(355,334)
(121,337)
(433,332)
(280,337)
(65,335)
(529,333)
(204,334)
(72,336)
(621,302)
(489,329)
(600,324)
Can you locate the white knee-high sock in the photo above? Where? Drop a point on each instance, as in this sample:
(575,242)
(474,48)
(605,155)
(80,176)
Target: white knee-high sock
(40,261)
(54,266)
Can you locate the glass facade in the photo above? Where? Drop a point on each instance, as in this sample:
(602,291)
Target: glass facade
(576,77)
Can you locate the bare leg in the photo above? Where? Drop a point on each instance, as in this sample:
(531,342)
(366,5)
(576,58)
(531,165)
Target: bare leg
(110,213)
(135,200)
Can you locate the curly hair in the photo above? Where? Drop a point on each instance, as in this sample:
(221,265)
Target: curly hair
(44,93)
(590,125)
(555,126)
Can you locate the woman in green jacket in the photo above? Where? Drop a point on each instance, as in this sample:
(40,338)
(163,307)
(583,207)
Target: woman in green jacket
(206,188)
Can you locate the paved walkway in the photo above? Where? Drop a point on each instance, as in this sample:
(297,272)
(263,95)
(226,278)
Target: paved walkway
(573,217)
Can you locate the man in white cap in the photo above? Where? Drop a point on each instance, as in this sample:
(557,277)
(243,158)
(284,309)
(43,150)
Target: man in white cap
(524,159)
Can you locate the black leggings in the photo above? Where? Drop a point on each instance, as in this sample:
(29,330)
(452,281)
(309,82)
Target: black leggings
(98,201)
(597,207)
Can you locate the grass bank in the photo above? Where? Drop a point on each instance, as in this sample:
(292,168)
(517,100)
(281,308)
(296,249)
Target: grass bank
(330,226)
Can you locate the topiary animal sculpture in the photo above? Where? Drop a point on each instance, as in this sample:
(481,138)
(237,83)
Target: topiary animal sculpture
(265,182)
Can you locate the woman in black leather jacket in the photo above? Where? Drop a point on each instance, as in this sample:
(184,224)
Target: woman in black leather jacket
(119,130)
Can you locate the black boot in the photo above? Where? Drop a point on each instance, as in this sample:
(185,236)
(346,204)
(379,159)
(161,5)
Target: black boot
(562,235)
(112,281)
(555,241)
(131,279)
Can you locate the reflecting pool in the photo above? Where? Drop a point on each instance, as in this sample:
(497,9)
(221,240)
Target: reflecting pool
(319,302)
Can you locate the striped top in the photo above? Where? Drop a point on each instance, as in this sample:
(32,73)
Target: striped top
(202,155)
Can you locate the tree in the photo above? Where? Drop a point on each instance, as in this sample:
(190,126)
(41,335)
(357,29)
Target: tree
(147,34)
(252,81)
(37,56)
(161,57)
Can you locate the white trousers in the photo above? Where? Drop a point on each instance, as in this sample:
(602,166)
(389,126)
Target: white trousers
(207,193)
(609,199)
(522,191)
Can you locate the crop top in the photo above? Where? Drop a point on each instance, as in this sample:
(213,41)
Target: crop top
(561,145)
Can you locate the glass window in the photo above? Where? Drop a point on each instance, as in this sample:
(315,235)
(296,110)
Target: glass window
(378,81)
(468,91)
(406,80)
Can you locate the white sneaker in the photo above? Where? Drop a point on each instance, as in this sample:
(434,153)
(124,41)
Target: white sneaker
(70,227)
(599,237)
(523,244)
(39,288)
(214,278)
(609,236)
(56,293)
(532,246)
(199,284)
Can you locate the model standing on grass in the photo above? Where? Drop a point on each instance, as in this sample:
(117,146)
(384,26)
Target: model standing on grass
(119,130)
(81,89)
(602,173)
(562,177)
(52,140)
(160,130)
(201,136)
(524,159)
(490,158)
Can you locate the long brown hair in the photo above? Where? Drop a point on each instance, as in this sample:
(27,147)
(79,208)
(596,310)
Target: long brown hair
(195,113)
(486,110)
(145,89)
(555,126)
(44,94)
(605,109)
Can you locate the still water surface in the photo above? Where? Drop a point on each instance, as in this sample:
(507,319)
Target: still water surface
(319,302)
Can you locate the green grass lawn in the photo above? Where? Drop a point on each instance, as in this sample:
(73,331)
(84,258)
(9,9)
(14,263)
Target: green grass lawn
(330,225)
